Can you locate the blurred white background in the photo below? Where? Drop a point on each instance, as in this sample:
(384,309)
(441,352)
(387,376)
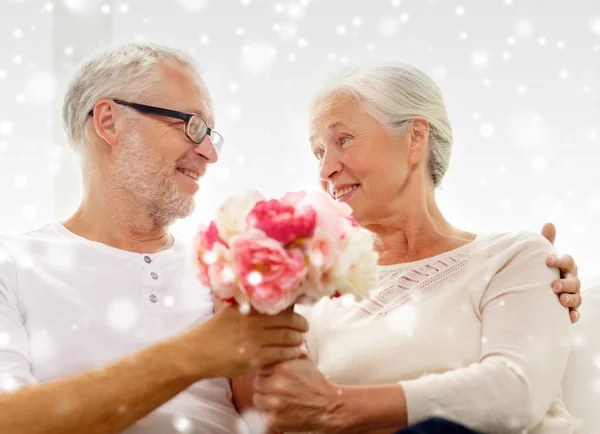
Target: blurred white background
(521,80)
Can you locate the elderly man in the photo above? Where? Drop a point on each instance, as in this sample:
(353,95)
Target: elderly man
(101,317)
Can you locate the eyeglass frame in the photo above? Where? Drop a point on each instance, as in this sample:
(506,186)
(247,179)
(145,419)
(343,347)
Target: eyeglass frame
(186,117)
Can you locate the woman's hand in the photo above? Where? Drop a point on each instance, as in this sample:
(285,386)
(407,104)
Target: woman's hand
(295,396)
(568,288)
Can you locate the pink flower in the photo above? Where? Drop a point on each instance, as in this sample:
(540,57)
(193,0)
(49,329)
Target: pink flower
(283,223)
(206,240)
(293,198)
(209,236)
(269,274)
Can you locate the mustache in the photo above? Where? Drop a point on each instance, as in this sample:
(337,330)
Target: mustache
(195,165)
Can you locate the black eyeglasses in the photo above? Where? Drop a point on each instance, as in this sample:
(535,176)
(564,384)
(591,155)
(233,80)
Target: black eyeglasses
(196,128)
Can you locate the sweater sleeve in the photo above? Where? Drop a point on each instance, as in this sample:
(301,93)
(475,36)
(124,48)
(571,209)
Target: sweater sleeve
(524,349)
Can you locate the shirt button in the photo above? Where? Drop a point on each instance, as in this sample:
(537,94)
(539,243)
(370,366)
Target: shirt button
(148,259)
(153,298)
(154,275)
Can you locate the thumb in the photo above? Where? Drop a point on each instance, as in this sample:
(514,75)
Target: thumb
(549,232)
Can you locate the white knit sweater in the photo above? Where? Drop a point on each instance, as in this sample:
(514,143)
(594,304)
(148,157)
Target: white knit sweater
(475,335)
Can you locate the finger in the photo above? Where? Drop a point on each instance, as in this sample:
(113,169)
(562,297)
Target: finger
(270,355)
(549,232)
(569,285)
(281,338)
(288,319)
(572,301)
(266,402)
(563,262)
(574,314)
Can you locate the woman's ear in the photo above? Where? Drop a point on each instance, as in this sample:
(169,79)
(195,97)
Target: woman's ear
(105,120)
(419,138)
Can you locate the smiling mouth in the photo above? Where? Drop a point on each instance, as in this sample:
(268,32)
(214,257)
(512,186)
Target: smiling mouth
(344,191)
(189,173)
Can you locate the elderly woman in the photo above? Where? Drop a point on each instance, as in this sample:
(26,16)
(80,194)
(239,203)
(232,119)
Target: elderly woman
(461,326)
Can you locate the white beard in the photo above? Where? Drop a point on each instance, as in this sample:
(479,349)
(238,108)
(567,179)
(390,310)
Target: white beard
(142,179)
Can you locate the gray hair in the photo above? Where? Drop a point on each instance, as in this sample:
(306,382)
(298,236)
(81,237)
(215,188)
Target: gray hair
(393,94)
(128,72)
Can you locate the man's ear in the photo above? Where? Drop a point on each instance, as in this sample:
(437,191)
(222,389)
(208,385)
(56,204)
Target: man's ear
(419,137)
(106,116)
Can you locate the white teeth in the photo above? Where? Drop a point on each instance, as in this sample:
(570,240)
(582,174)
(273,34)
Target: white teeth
(344,191)
(189,173)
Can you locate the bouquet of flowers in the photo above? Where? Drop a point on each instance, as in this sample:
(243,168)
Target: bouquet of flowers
(271,254)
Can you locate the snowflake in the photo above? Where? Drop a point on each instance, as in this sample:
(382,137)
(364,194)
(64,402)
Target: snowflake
(40,88)
(4,339)
(254,278)
(254,420)
(287,31)
(223,174)
(105,9)
(404,324)
(169,301)
(257,57)
(183,424)
(459,11)
(8,383)
(6,128)
(389,26)
(480,58)
(122,315)
(486,130)
(124,7)
(73,5)
(42,345)
(295,11)
(17,33)
(564,74)
(20,181)
(542,40)
(524,28)
(29,212)
(340,30)
(595,25)
(356,21)
(538,164)
(439,72)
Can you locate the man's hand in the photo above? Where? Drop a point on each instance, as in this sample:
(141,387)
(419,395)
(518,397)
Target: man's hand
(231,342)
(568,288)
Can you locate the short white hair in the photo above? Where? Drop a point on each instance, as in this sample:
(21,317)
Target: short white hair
(394,93)
(128,72)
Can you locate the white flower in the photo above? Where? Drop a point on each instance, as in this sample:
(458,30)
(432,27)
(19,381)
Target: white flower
(231,215)
(356,267)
